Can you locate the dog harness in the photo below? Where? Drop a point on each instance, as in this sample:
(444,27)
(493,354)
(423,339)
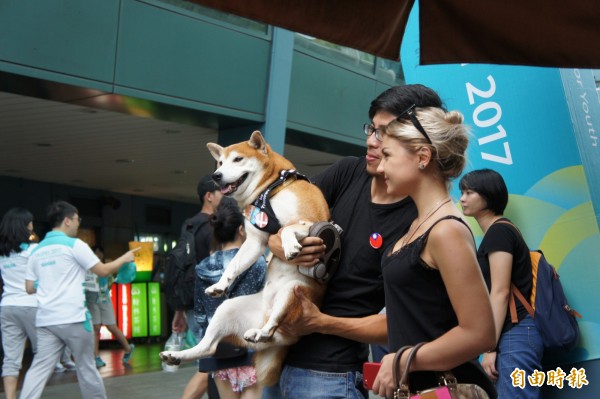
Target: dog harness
(260,213)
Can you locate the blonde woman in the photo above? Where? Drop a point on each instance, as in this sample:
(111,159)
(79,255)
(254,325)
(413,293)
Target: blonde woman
(434,290)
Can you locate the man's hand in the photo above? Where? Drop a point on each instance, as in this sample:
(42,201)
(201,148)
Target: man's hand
(312,249)
(129,256)
(179,324)
(309,320)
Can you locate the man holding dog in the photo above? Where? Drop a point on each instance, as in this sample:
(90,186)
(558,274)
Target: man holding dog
(328,359)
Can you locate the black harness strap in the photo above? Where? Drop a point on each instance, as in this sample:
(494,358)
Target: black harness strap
(261,213)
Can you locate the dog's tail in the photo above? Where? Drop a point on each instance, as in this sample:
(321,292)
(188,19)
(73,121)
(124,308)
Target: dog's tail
(268,364)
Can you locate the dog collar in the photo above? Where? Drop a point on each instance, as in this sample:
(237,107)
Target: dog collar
(260,213)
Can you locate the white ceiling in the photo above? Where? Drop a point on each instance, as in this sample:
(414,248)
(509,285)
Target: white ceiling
(68,144)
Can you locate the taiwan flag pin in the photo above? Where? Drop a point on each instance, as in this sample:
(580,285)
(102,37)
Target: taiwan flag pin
(376,240)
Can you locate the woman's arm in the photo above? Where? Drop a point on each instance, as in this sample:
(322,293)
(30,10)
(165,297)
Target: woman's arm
(500,271)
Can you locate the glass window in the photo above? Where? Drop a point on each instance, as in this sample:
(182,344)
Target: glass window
(220,16)
(386,71)
(389,72)
(344,56)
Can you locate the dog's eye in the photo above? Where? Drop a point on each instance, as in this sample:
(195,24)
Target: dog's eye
(237,159)
(220,163)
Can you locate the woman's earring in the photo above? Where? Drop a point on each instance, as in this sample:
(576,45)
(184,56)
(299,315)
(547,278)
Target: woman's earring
(421,166)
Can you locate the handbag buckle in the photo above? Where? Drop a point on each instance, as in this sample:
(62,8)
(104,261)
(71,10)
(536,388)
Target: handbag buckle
(448,379)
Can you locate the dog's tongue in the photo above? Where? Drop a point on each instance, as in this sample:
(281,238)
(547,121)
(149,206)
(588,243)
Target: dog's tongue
(227,189)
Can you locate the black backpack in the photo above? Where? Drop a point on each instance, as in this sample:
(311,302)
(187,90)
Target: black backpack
(180,263)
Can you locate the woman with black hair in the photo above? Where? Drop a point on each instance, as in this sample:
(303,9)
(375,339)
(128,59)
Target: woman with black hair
(17,318)
(504,259)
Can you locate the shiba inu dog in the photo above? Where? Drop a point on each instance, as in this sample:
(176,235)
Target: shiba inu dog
(272,194)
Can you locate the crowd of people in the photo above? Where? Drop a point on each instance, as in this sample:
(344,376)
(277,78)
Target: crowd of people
(406,248)
(43,299)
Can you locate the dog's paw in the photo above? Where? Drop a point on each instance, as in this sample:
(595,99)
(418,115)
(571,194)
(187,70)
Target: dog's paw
(256,335)
(170,357)
(215,290)
(291,251)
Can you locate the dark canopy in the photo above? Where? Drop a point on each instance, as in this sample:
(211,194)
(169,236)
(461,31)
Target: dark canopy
(520,32)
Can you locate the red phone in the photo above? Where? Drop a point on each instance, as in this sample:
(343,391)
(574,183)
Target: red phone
(370,370)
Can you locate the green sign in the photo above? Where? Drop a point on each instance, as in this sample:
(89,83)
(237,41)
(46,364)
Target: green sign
(139,310)
(154,309)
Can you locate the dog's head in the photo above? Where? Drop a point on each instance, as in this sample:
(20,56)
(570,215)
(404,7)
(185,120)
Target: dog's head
(244,169)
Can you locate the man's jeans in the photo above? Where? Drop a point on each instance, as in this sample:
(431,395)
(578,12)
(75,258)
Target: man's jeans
(297,383)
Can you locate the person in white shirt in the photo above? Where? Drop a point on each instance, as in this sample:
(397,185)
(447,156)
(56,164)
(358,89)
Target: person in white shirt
(17,318)
(59,264)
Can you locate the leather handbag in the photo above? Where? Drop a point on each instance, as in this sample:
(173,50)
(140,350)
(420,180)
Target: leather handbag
(448,387)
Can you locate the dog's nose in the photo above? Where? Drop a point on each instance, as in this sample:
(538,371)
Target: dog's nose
(217,176)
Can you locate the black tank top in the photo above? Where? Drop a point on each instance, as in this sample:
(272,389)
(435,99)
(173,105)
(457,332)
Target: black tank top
(419,309)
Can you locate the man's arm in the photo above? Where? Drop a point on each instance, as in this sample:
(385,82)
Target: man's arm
(368,329)
(105,269)
(179,323)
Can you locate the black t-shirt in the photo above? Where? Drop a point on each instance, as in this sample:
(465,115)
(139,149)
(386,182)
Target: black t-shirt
(356,289)
(505,237)
(419,310)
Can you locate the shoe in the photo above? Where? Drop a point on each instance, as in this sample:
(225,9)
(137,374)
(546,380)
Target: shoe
(59,368)
(70,365)
(127,355)
(99,362)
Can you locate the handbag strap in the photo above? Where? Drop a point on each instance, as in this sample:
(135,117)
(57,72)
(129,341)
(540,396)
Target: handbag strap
(402,391)
(515,291)
(402,388)
(396,366)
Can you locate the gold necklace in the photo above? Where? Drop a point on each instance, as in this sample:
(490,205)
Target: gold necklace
(433,210)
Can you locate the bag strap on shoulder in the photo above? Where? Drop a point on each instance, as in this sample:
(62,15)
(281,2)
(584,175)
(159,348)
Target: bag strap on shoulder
(195,227)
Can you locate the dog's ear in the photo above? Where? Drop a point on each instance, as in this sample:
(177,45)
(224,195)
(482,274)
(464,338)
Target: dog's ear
(215,150)
(257,141)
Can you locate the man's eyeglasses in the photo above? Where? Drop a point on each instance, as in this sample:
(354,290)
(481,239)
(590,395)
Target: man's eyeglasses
(369,129)
(411,114)
(76,218)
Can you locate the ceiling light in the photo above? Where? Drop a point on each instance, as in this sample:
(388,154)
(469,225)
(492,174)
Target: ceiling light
(179,172)
(125,160)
